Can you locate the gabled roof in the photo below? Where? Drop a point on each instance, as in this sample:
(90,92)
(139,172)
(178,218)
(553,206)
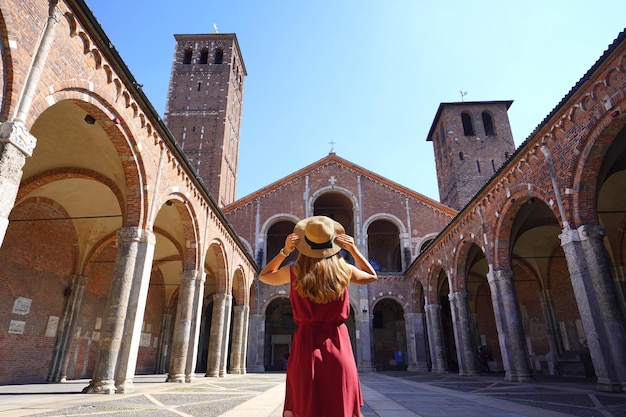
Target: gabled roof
(332,157)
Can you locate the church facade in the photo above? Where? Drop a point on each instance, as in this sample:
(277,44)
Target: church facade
(120,253)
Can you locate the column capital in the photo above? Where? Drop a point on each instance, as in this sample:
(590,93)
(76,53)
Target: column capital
(129,234)
(457,295)
(188,275)
(432,307)
(591,232)
(221,297)
(501,275)
(568,235)
(16,134)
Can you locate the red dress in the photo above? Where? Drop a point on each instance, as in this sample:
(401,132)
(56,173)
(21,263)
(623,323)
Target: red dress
(322,379)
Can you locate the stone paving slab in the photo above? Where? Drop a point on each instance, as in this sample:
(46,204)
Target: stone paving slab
(394,394)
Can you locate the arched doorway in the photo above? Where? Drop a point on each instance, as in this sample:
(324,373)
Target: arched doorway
(447,325)
(389,336)
(279,330)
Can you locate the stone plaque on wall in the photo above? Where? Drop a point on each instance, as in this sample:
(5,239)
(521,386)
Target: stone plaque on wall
(145,339)
(22,305)
(51,328)
(17,327)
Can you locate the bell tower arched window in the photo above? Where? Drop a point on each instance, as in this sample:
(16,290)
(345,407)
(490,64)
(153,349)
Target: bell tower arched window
(468,126)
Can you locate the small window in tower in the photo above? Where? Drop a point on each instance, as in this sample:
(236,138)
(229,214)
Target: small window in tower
(506,155)
(468,127)
(199,85)
(204,56)
(478,165)
(219,56)
(461,156)
(493,165)
(488,124)
(187,56)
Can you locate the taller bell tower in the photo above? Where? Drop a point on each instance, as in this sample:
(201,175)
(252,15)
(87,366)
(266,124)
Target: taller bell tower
(204,106)
(471,141)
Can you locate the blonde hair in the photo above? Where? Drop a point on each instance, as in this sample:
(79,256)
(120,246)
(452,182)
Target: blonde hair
(321,280)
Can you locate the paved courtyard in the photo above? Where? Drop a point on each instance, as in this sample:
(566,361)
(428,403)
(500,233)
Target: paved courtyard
(397,394)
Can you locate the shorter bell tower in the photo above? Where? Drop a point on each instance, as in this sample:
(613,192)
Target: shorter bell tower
(471,140)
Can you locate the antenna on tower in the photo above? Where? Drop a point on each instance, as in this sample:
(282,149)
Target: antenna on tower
(215,27)
(463,94)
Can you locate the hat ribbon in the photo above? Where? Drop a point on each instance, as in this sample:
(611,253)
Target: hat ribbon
(324,245)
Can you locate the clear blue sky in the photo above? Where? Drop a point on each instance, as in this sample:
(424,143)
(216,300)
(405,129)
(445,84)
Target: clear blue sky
(369,74)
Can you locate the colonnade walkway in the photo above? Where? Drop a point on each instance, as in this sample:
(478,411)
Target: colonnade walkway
(390,394)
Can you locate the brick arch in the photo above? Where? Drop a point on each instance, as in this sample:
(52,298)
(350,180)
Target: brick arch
(502,239)
(418,296)
(9,88)
(93,100)
(59,209)
(59,174)
(431,290)
(173,241)
(280,217)
(334,189)
(221,275)
(461,252)
(189,221)
(241,296)
(103,243)
(271,299)
(404,304)
(384,216)
(598,141)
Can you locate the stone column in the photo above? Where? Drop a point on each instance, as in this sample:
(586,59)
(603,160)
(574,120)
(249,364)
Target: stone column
(551,329)
(256,343)
(228,305)
(509,325)
(364,327)
(61,352)
(466,350)
(244,342)
(416,342)
(15,142)
(237,337)
(194,337)
(15,145)
(597,301)
(127,359)
(166,325)
(129,241)
(435,338)
(182,327)
(217,335)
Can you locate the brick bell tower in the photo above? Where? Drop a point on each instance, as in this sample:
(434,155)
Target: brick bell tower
(471,141)
(204,105)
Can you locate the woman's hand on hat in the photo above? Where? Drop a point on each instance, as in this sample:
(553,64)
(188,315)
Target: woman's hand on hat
(290,243)
(345,241)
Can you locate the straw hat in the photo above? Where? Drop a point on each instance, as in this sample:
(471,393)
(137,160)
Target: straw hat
(317,236)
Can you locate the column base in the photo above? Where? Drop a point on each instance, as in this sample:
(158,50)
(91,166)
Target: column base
(125,387)
(419,367)
(100,387)
(609,385)
(180,378)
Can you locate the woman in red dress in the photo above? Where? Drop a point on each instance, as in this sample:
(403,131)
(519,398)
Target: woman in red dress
(322,378)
